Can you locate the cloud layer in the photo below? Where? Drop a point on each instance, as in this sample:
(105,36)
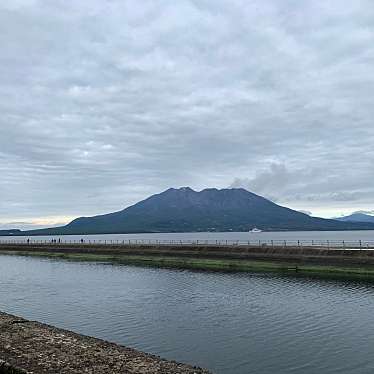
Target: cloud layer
(106,102)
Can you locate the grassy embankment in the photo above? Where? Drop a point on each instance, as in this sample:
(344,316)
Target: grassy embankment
(212,264)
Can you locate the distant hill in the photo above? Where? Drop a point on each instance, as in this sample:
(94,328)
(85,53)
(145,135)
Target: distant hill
(357,217)
(10,232)
(186,210)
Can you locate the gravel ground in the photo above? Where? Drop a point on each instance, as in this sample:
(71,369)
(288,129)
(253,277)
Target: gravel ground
(32,347)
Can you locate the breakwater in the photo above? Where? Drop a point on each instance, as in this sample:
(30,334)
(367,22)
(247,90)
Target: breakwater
(32,347)
(310,260)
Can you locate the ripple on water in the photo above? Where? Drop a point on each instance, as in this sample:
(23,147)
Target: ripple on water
(231,323)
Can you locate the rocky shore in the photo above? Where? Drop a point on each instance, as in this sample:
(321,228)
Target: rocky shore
(28,347)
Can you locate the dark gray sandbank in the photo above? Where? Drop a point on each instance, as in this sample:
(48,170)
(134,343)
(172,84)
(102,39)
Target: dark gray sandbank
(32,347)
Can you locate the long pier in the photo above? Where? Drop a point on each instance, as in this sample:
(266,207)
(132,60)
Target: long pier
(311,259)
(329,244)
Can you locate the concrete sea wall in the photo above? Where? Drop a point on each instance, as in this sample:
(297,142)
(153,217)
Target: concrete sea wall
(302,255)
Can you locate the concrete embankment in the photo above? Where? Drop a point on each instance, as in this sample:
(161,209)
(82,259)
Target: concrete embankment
(35,348)
(310,260)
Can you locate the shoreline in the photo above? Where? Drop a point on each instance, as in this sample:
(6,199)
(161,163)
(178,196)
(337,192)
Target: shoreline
(314,262)
(34,347)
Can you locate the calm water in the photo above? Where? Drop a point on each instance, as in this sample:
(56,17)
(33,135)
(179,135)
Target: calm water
(230,323)
(290,236)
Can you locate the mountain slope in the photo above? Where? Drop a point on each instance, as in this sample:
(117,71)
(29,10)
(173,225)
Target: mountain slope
(10,232)
(357,217)
(185,210)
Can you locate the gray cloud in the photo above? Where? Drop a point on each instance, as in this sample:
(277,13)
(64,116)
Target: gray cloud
(105,102)
(312,187)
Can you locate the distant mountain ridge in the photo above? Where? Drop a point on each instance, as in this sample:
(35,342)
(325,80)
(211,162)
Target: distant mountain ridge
(186,210)
(10,232)
(357,217)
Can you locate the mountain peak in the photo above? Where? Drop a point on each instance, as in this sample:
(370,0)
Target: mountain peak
(186,189)
(211,209)
(180,189)
(209,189)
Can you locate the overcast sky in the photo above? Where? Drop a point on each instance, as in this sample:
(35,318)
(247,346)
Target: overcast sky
(106,102)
